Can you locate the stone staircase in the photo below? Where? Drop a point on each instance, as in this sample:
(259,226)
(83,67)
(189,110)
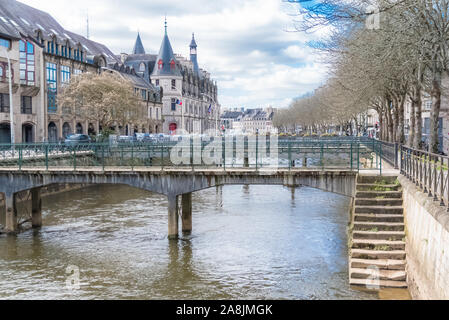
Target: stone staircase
(378,234)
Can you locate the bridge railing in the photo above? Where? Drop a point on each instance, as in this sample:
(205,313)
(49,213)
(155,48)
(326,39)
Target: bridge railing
(256,153)
(428,171)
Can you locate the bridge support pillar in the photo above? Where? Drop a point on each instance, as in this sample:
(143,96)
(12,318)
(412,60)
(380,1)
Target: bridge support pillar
(187,213)
(173,218)
(11,225)
(36,208)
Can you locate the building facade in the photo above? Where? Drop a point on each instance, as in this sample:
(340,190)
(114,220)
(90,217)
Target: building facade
(190,96)
(44,57)
(250,121)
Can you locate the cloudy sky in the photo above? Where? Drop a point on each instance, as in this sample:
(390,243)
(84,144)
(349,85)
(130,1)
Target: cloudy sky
(245,44)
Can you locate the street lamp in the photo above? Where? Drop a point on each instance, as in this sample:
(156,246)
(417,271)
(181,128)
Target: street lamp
(11,107)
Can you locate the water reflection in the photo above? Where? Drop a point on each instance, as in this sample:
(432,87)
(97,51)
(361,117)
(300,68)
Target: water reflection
(248,242)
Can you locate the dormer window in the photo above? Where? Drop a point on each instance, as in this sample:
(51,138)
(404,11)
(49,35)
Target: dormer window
(142,67)
(172,64)
(160,64)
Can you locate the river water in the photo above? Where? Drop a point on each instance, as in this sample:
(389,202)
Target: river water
(248,242)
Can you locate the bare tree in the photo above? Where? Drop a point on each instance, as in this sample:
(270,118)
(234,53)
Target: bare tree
(107,98)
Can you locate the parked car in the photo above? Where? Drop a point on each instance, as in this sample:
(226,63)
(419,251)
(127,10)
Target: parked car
(126,139)
(77,139)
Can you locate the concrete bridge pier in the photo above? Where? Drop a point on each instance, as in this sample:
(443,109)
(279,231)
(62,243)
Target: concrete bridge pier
(187,213)
(173,218)
(11,225)
(36,208)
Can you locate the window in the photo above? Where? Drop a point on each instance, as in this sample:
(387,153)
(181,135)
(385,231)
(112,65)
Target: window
(26,63)
(173,84)
(1,72)
(426,125)
(142,67)
(4,102)
(51,87)
(428,105)
(173,104)
(27,107)
(5,43)
(157,83)
(77,72)
(157,113)
(65,75)
(143,93)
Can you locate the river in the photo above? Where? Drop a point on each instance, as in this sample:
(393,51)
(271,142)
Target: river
(248,242)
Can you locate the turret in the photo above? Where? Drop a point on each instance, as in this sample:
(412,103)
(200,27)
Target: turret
(138,46)
(193,55)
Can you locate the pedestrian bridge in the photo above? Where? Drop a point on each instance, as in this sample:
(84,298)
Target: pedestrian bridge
(178,170)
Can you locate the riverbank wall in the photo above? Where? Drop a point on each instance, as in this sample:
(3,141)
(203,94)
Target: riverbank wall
(427,229)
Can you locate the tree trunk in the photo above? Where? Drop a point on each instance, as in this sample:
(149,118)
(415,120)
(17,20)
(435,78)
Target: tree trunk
(435,113)
(400,129)
(381,126)
(417,144)
(411,132)
(389,124)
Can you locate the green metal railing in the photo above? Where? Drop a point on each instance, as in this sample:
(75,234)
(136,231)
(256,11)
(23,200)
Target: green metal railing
(300,153)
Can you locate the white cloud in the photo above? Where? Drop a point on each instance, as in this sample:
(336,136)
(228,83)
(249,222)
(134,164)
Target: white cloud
(243,43)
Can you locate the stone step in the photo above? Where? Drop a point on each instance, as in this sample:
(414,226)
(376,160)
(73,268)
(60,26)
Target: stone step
(380,235)
(381,283)
(377,187)
(377,254)
(378,202)
(377,179)
(386,264)
(376,194)
(372,217)
(374,273)
(373,244)
(379,209)
(379,226)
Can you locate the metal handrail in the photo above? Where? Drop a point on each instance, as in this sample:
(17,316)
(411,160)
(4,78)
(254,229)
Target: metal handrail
(347,153)
(429,172)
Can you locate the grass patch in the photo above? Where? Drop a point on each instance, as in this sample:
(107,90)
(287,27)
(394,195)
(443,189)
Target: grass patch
(382,248)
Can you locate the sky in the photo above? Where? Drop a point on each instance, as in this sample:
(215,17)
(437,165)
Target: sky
(247,45)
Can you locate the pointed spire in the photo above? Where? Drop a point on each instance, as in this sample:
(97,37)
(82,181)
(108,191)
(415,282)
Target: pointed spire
(166,63)
(193,43)
(138,47)
(194,56)
(166,25)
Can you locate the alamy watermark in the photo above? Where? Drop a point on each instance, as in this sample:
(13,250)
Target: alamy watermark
(372,21)
(227,151)
(72,282)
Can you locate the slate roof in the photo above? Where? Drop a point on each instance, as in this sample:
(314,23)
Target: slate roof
(134,61)
(169,64)
(232,115)
(19,20)
(138,46)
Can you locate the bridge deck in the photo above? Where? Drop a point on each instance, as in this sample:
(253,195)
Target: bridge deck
(174,169)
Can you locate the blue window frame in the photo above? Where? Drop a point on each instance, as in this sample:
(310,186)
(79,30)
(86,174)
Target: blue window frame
(51,87)
(65,75)
(5,43)
(27,67)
